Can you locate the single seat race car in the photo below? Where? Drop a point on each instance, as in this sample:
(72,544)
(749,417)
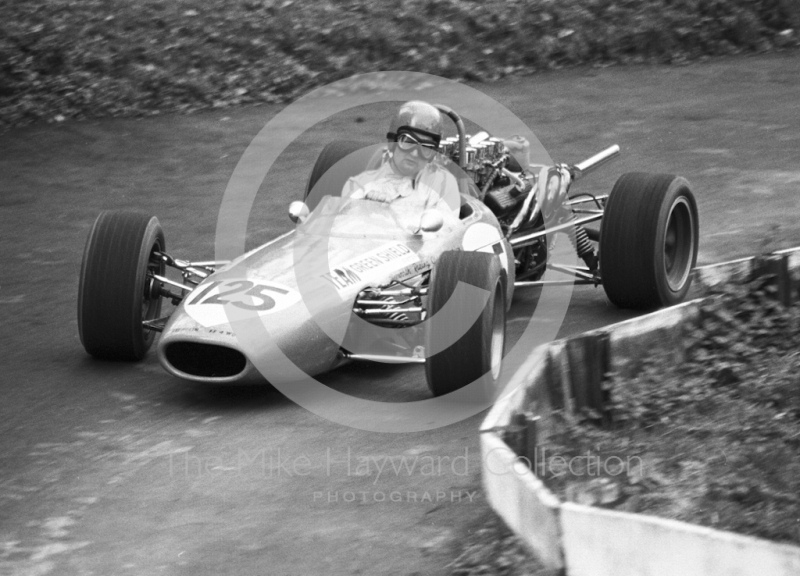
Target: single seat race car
(359,280)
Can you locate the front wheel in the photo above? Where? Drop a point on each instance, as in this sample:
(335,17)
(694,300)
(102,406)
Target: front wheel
(116,293)
(477,354)
(648,241)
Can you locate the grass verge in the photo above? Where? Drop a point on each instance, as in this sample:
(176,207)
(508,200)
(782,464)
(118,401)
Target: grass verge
(90,58)
(489,548)
(714,441)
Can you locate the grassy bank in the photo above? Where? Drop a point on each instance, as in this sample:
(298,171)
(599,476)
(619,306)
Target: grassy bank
(715,440)
(91,58)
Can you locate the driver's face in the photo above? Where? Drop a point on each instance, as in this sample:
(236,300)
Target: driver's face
(408,162)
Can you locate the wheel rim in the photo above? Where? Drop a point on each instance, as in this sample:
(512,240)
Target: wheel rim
(498,333)
(679,244)
(150,301)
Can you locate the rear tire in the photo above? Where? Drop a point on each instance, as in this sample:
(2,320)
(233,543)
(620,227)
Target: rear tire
(354,158)
(648,241)
(114,295)
(477,354)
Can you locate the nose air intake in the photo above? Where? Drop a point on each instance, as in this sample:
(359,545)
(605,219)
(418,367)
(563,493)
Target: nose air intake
(205,360)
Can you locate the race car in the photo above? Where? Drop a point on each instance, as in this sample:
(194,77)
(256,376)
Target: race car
(358,280)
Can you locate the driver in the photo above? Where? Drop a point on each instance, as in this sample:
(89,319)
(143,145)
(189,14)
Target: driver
(408,174)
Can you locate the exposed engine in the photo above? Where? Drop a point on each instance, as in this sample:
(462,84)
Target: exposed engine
(507,190)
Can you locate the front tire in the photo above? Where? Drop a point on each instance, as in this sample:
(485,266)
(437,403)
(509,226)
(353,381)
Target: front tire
(478,353)
(115,294)
(648,241)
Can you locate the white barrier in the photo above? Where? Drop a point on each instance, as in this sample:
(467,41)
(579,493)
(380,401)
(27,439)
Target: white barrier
(600,542)
(587,541)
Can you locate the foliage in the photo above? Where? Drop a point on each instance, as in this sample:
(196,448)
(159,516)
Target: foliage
(89,58)
(491,548)
(718,436)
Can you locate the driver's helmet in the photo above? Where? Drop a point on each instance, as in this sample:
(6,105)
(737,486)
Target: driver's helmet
(418,119)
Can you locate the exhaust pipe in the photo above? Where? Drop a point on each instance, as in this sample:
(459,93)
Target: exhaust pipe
(582,168)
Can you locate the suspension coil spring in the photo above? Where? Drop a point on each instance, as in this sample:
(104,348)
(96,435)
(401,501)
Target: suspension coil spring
(583,246)
(580,241)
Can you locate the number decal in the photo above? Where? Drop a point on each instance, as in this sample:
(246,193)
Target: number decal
(217,298)
(205,291)
(244,287)
(257,291)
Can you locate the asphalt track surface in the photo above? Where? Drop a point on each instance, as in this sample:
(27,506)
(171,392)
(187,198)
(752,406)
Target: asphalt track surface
(109,468)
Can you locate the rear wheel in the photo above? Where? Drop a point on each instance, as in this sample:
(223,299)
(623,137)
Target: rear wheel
(115,294)
(352,159)
(648,241)
(476,354)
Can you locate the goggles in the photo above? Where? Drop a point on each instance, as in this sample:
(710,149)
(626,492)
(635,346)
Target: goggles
(407,143)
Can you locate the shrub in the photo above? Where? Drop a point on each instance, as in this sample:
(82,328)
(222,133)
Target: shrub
(87,58)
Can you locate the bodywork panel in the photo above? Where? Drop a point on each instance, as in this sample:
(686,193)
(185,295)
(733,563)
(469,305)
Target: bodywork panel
(300,289)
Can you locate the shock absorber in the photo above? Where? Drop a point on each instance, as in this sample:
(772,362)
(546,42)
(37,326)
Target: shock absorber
(583,246)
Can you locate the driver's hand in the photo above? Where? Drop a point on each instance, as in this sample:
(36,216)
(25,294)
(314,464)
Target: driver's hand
(380,195)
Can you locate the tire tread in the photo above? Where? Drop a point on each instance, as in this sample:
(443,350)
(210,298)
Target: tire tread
(459,364)
(628,236)
(109,313)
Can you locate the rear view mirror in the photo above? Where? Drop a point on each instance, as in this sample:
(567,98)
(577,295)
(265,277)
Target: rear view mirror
(431,221)
(298,212)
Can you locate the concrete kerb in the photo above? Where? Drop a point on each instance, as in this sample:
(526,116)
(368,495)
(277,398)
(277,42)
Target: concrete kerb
(599,542)
(583,540)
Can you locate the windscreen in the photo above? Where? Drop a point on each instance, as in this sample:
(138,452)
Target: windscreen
(337,217)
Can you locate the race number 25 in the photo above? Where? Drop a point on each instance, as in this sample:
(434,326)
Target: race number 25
(234,292)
